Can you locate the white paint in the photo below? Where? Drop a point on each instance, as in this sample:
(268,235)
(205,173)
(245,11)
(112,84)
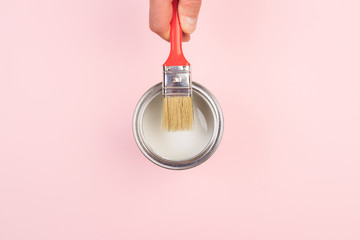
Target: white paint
(179,145)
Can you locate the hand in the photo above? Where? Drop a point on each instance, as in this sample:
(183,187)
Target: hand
(161,14)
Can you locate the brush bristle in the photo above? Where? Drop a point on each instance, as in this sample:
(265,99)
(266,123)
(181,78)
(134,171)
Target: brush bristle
(177,113)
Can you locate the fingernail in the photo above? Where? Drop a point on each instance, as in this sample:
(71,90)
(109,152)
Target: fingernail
(167,36)
(189,24)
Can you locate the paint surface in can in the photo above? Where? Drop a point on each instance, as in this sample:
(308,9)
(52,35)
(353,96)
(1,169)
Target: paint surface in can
(180,145)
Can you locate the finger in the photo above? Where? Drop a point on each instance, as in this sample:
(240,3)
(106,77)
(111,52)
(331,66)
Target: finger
(160,17)
(188,13)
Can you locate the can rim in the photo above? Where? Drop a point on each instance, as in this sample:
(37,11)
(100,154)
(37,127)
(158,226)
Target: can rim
(196,160)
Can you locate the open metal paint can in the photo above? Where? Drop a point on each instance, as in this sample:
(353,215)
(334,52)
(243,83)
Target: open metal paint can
(183,149)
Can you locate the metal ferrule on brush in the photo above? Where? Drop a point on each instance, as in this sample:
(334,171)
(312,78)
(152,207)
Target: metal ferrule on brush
(177,81)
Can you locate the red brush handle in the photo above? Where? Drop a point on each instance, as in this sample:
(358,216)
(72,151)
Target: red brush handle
(176,56)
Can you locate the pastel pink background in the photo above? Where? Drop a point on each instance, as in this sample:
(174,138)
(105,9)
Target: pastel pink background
(286,73)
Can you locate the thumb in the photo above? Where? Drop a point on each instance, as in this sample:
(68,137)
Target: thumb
(188,14)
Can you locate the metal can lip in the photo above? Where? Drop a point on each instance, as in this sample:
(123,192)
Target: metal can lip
(196,160)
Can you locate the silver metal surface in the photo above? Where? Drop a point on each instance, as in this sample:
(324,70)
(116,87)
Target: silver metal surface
(195,160)
(177,81)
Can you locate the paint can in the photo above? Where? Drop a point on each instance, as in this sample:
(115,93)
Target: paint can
(184,149)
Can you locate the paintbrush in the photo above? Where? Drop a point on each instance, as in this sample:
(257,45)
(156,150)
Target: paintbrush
(176,88)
